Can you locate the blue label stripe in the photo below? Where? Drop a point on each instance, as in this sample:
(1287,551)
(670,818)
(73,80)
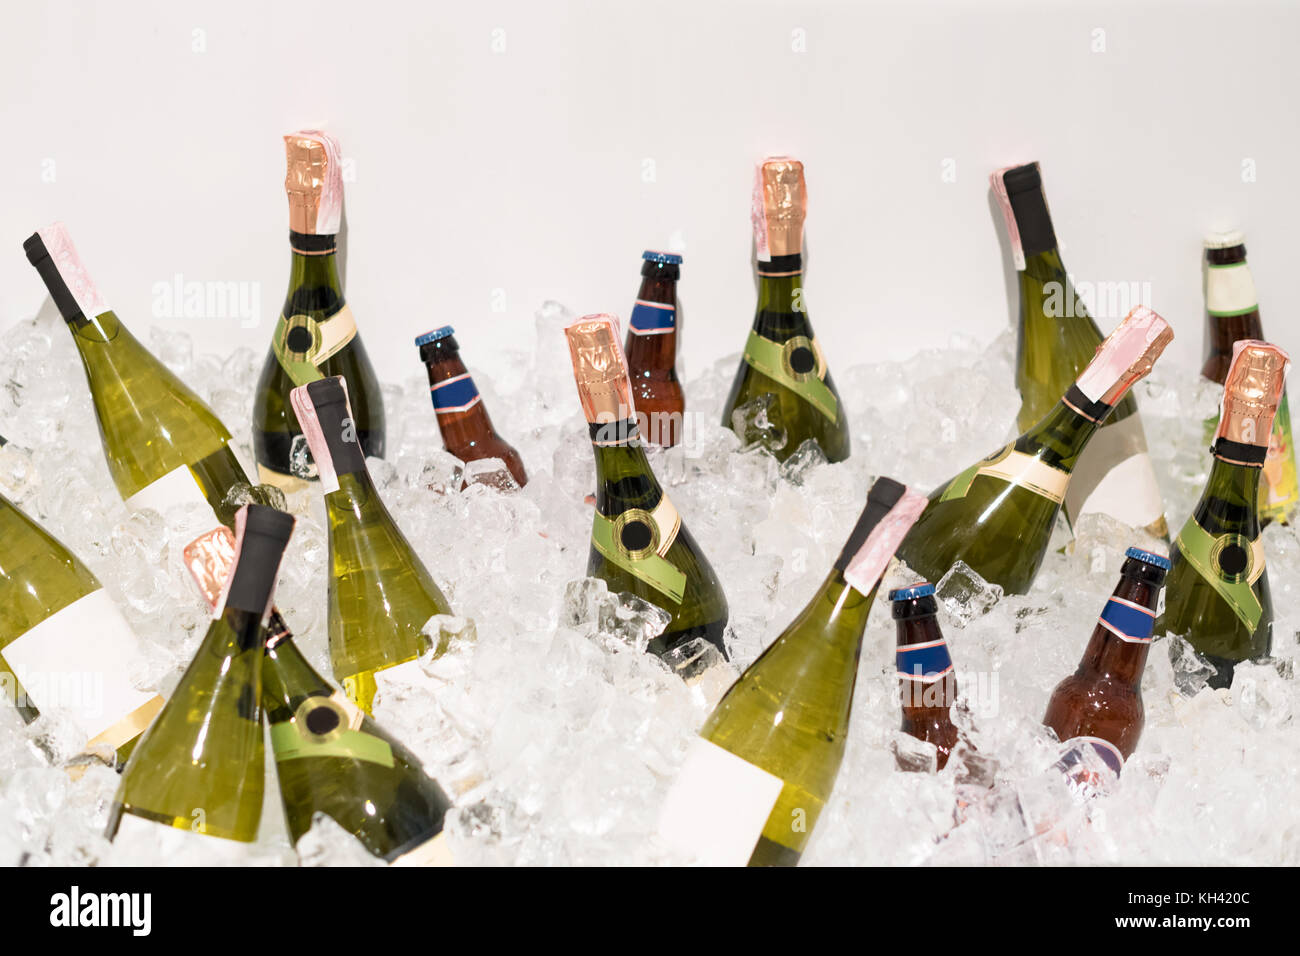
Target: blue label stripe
(457,394)
(1128,621)
(652,318)
(923,662)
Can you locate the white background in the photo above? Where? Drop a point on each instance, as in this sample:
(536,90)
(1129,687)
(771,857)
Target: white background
(500,154)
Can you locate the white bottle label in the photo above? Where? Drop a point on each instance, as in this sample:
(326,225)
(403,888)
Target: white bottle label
(180,847)
(1230,290)
(77,662)
(177,487)
(718,806)
(433,852)
(1115,476)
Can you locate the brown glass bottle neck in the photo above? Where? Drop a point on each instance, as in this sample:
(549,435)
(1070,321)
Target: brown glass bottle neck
(1110,656)
(458,427)
(658,352)
(922,629)
(1221,333)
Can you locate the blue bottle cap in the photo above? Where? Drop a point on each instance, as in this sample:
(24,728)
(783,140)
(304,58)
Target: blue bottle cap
(1159,560)
(435,335)
(918,590)
(667,258)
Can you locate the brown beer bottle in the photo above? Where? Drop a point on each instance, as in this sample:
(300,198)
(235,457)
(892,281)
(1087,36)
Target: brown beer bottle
(1099,707)
(466,428)
(926,681)
(652,350)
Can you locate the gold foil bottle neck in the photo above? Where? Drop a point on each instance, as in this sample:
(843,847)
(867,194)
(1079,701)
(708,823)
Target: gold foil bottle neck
(1252,392)
(779,207)
(600,369)
(313,182)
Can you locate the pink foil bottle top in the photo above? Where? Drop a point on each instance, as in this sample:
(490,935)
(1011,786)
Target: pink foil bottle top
(314,182)
(780,205)
(600,369)
(867,566)
(1126,356)
(58,243)
(1252,392)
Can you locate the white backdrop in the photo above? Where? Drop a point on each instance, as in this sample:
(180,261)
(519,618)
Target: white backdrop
(501,154)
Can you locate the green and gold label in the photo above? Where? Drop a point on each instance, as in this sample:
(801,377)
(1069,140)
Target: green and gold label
(302,344)
(328,727)
(1230,563)
(638,541)
(797,364)
(1016,468)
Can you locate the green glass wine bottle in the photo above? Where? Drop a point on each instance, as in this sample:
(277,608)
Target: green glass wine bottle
(1217,593)
(199,769)
(639,542)
(164,446)
(783,369)
(764,765)
(998,514)
(64,646)
(316,336)
(1057,339)
(380,595)
(330,757)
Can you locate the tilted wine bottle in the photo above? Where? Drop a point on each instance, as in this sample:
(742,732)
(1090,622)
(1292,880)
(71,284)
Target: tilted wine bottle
(1057,339)
(380,595)
(466,428)
(200,768)
(764,765)
(64,646)
(1218,595)
(926,683)
(639,542)
(651,350)
(998,514)
(1232,314)
(784,368)
(316,336)
(163,444)
(330,757)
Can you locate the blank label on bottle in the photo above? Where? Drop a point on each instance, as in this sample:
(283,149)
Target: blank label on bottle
(434,852)
(717,807)
(180,846)
(1230,290)
(177,487)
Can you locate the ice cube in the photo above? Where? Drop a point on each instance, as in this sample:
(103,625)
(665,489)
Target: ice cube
(753,422)
(965,595)
(492,473)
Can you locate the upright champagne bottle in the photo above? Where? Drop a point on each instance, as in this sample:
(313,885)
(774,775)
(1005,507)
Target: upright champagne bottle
(163,444)
(998,514)
(316,336)
(764,765)
(380,595)
(1218,595)
(64,646)
(199,769)
(1232,314)
(1057,340)
(927,686)
(784,368)
(639,542)
(651,349)
(330,757)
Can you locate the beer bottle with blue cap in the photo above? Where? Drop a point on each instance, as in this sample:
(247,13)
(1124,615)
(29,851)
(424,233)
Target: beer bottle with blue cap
(466,427)
(926,682)
(783,377)
(1219,597)
(1097,711)
(651,350)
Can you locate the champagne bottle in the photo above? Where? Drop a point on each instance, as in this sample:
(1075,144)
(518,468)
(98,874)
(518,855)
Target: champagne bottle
(998,514)
(764,765)
(651,350)
(783,366)
(380,595)
(163,444)
(316,336)
(1217,594)
(1057,340)
(200,767)
(64,646)
(1232,314)
(926,683)
(330,757)
(465,425)
(639,542)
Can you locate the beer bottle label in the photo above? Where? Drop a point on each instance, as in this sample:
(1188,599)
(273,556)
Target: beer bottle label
(652,318)
(453,395)
(796,363)
(1128,620)
(926,662)
(302,344)
(638,542)
(1229,563)
(1016,468)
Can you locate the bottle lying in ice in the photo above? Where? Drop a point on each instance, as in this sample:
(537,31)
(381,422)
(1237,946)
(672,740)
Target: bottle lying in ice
(64,646)
(639,542)
(1097,711)
(330,757)
(651,350)
(316,336)
(198,770)
(927,684)
(1232,314)
(1057,339)
(764,765)
(380,594)
(163,444)
(998,514)
(1218,595)
(783,375)
(467,430)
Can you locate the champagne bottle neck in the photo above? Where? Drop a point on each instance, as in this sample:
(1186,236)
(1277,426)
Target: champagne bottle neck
(314,283)
(1062,433)
(287,678)
(624,478)
(1230,498)
(779,295)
